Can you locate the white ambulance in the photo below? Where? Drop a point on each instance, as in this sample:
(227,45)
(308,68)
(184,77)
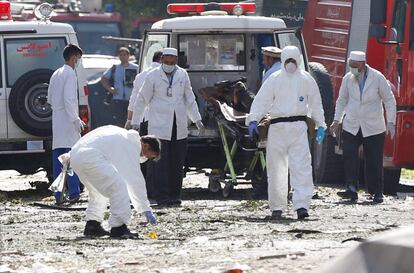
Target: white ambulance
(30,53)
(223,41)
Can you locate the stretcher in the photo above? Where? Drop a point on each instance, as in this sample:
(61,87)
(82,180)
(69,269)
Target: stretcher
(245,158)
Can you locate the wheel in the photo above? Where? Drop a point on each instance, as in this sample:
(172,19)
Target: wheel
(214,184)
(228,189)
(327,166)
(391,181)
(28,103)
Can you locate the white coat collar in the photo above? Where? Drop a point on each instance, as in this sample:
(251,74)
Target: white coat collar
(68,66)
(370,77)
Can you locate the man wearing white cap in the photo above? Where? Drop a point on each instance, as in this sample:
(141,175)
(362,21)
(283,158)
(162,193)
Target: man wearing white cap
(359,106)
(168,94)
(271,61)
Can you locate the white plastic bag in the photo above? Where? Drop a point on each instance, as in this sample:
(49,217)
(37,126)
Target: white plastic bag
(59,183)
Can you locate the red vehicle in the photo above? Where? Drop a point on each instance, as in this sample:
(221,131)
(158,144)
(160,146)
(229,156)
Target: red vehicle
(89,26)
(385,29)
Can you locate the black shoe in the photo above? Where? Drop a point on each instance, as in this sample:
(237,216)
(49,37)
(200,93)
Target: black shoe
(348,194)
(94,229)
(302,213)
(378,198)
(276,215)
(73,200)
(123,232)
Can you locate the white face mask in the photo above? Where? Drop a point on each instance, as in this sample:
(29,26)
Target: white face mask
(78,63)
(291,67)
(168,68)
(354,71)
(142,159)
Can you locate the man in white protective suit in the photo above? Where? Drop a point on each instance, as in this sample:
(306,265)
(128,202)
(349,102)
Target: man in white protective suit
(289,95)
(107,160)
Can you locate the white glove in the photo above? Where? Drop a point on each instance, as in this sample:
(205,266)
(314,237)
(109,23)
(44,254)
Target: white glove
(200,125)
(128,124)
(391,129)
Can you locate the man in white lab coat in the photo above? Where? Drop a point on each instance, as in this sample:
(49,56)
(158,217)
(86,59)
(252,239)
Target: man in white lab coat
(143,128)
(107,160)
(271,61)
(289,95)
(66,124)
(168,94)
(362,95)
(138,82)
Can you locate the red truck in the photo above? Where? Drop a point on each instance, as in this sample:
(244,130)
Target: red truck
(385,29)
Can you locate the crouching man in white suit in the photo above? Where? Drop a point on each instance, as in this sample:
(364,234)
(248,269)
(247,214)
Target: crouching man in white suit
(107,160)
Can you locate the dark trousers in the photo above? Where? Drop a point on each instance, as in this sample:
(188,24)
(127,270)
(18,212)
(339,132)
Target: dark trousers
(119,111)
(167,173)
(373,159)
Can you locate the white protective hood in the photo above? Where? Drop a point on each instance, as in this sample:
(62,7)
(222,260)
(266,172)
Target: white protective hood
(286,94)
(291,52)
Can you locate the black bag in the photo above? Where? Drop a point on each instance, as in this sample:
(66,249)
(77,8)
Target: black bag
(130,75)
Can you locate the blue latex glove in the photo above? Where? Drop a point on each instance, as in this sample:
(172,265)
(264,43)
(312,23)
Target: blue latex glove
(253,128)
(150,217)
(320,135)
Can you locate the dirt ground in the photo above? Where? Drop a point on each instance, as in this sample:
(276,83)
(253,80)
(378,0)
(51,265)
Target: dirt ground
(206,234)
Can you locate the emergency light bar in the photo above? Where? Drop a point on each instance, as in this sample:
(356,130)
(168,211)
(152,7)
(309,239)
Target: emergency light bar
(5,11)
(196,8)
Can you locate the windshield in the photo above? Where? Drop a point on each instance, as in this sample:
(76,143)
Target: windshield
(224,52)
(90,36)
(152,44)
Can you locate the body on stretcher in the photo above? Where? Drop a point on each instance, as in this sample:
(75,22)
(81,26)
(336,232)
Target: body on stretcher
(229,98)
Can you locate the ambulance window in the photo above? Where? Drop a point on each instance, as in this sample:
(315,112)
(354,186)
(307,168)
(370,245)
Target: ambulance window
(398,20)
(290,39)
(212,52)
(152,44)
(24,55)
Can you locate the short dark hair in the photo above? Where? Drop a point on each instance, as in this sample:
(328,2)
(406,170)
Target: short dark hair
(157,56)
(71,50)
(154,144)
(123,49)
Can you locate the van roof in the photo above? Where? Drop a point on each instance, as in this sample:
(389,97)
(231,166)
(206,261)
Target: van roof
(39,26)
(220,22)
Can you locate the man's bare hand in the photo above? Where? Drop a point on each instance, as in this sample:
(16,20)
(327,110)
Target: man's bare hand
(113,91)
(334,128)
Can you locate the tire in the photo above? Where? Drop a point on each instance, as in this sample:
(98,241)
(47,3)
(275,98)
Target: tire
(391,181)
(28,103)
(327,166)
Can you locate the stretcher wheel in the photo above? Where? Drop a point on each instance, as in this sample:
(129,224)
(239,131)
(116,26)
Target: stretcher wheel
(228,189)
(214,183)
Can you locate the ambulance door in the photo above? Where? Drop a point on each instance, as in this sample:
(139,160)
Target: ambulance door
(153,41)
(292,37)
(3,98)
